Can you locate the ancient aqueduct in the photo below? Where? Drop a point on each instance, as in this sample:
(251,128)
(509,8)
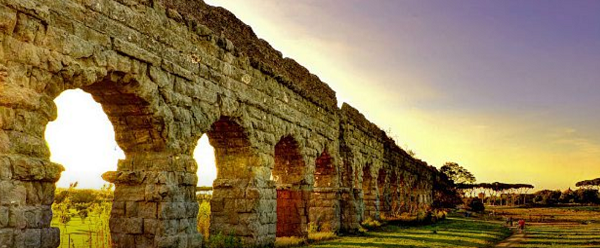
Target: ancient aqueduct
(166,72)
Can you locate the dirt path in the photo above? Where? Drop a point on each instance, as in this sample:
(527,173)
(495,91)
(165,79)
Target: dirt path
(514,239)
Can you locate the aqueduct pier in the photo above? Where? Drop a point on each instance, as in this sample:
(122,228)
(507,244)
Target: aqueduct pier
(165,73)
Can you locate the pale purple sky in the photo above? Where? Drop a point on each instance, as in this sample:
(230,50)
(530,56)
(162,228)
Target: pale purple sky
(509,89)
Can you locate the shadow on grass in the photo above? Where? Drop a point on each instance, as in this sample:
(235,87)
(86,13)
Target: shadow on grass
(454,232)
(562,236)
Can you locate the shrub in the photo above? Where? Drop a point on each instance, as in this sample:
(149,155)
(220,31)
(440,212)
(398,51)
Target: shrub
(425,216)
(313,227)
(321,236)
(203,223)
(370,223)
(586,196)
(224,241)
(547,197)
(289,241)
(475,205)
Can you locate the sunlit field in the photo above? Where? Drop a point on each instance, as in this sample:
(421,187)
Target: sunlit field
(561,235)
(453,232)
(578,214)
(82,216)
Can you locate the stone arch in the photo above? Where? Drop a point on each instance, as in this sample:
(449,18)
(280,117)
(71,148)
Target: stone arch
(235,159)
(289,174)
(324,202)
(348,176)
(325,175)
(394,189)
(369,189)
(143,198)
(350,192)
(383,191)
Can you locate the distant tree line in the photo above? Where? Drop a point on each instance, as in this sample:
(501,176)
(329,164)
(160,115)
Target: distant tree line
(554,197)
(497,193)
(589,184)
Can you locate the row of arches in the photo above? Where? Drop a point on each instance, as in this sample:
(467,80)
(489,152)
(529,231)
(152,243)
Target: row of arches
(299,199)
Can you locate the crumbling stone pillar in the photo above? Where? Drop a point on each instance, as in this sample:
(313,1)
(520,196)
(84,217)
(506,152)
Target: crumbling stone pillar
(383,192)
(350,216)
(243,201)
(370,197)
(27,176)
(155,203)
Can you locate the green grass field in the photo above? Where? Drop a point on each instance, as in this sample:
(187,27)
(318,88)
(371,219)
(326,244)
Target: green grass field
(561,235)
(79,234)
(546,227)
(455,232)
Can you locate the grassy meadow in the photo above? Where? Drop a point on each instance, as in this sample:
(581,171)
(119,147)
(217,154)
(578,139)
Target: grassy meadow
(77,233)
(562,226)
(455,232)
(560,235)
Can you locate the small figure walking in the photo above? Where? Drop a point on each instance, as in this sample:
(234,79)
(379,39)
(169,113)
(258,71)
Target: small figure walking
(521,225)
(509,221)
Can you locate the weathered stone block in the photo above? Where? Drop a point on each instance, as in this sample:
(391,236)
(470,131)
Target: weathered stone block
(5,166)
(151,226)
(136,52)
(4,217)
(166,242)
(143,241)
(167,227)
(12,193)
(123,240)
(195,240)
(147,210)
(6,238)
(126,225)
(8,20)
(28,238)
(246,205)
(171,210)
(129,192)
(134,225)
(118,209)
(50,237)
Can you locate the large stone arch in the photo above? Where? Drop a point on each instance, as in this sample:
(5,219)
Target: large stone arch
(232,209)
(289,174)
(154,162)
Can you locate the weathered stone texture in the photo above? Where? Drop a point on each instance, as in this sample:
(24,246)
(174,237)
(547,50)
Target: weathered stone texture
(166,72)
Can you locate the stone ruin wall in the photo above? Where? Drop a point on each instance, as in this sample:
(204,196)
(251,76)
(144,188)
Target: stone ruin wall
(165,73)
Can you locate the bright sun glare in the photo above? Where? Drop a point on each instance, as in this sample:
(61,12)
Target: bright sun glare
(82,139)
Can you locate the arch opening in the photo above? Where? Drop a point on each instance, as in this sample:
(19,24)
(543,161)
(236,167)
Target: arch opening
(138,132)
(369,193)
(82,139)
(324,202)
(292,194)
(204,154)
(325,172)
(233,159)
(383,192)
